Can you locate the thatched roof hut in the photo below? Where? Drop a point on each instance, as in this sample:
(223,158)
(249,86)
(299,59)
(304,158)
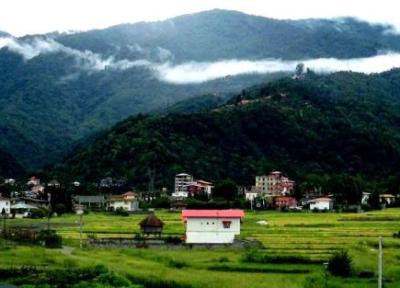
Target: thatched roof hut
(151,225)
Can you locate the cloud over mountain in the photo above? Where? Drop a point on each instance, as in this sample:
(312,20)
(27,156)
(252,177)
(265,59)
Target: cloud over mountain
(87,59)
(198,72)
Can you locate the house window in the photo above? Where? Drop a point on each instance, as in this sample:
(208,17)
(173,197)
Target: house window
(226,224)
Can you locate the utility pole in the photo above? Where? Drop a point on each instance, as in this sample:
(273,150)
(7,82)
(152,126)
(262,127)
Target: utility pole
(80,211)
(380,263)
(80,230)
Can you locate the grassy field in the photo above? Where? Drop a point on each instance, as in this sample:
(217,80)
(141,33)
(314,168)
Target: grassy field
(313,235)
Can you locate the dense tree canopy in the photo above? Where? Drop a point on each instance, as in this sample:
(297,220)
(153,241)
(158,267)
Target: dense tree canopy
(49,103)
(344,123)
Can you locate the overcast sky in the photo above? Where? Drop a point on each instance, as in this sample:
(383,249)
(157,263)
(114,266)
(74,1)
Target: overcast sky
(20,17)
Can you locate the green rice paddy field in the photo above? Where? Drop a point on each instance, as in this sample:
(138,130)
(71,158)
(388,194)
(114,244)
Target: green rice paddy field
(312,235)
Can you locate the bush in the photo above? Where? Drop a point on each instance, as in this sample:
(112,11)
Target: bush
(121,212)
(340,264)
(396,234)
(59,209)
(50,239)
(173,240)
(223,259)
(254,256)
(161,202)
(178,264)
(39,213)
(113,280)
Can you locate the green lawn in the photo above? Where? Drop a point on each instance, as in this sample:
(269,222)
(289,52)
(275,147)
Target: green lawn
(315,235)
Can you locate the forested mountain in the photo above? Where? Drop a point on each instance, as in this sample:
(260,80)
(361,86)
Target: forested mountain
(9,167)
(200,37)
(58,89)
(339,123)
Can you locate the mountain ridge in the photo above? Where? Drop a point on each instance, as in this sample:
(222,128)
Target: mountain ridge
(57,89)
(330,124)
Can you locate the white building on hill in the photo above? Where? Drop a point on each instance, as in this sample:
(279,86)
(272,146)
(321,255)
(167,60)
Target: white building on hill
(212,226)
(182,182)
(323,203)
(127,201)
(5,204)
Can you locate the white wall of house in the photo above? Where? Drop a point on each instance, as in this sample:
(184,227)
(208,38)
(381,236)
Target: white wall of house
(321,205)
(6,205)
(211,230)
(132,205)
(180,194)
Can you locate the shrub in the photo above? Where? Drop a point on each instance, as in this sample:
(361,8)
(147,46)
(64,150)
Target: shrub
(161,202)
(39,213)
(366,274)
(113,280)
(173,240)
(396,234)
(59,209)
(50,239)
(223,259)
(254,256)
(121,212)
(340,264)
(177,264)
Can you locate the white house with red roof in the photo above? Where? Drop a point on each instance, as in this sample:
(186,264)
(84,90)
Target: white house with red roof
(212,226)
(128,201)
(322,203)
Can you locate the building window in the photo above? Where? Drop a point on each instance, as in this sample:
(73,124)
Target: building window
(226,224)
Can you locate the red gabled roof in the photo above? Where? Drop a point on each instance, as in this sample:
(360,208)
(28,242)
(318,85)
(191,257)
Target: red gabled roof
(232,213)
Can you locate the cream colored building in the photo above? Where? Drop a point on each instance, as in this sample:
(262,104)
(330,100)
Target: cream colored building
(274,184)
(128,202)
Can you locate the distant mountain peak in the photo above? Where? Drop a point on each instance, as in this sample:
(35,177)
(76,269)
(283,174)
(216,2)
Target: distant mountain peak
(4,34)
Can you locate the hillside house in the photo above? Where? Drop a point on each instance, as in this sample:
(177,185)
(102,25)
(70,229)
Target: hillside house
(128,201)
(29,201)
(283,202)
(321,204)
(274,184)
(76,183)
(250,193)
(90,201)
(199,186)
(54,183)
(5,204)
(182,182)
(185,186)
(365,198)
(387,199)
(212,226)
(10,181)
(33,181)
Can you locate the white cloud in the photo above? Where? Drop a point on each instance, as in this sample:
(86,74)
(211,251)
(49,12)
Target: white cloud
(195,72)
(198,72)
(87,60)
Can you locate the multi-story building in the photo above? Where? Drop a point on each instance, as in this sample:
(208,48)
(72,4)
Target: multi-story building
(185,186)
(182,182)
(274,184)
